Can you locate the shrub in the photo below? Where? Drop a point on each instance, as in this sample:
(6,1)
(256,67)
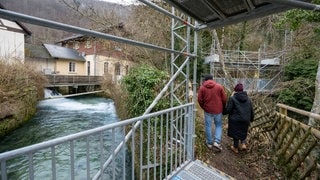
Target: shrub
(20,89)
(142,85)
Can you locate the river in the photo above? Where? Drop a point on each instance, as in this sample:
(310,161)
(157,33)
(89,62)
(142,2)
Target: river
(56,118)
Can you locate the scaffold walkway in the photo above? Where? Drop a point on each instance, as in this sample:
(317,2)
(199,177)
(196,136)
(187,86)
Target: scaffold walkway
(197,170)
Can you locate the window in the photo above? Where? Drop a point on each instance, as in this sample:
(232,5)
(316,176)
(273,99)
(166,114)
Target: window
(76,45)
(107,45)
(105,70)
(88,68)
(88,44)
(72,67)
(117,68)
(127,69)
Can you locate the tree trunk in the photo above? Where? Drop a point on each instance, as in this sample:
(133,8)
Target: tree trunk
(228,79)
(316,102)
(243,36)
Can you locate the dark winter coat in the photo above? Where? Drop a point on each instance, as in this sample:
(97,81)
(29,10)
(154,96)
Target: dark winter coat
(212,97)
(239,108)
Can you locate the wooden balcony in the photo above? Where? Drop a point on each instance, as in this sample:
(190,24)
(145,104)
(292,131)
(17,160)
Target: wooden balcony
(63,80)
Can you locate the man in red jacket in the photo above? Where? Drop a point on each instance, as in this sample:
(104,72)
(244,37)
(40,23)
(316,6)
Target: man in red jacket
(212,99)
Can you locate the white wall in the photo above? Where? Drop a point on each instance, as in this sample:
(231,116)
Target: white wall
(97,66)
(47,66)
(11,45)
(90,58)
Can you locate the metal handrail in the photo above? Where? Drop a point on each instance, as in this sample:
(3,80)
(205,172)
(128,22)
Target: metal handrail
(166,133)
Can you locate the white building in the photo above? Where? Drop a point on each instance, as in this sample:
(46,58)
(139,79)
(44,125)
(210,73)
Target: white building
(12,40)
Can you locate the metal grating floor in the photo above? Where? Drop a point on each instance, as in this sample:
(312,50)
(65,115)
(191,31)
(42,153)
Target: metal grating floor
(198,170)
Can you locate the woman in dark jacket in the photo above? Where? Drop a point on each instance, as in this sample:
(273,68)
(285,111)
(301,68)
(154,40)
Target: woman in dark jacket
(239,108)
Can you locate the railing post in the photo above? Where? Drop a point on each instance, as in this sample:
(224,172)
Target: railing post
(283,111)
(190,128)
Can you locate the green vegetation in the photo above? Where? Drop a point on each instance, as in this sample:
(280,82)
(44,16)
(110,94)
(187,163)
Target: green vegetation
(298,88)
(142,85)
(135,94)
(136,91)
(296,17)
(20,90)
(306,68)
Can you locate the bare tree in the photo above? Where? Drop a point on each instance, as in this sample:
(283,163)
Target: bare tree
(99,13)
(152,27)
(221,61)
(316,102)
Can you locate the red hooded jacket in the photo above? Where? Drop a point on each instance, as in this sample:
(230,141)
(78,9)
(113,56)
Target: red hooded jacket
(212,97)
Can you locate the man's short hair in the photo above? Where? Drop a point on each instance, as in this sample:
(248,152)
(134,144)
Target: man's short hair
(208,76)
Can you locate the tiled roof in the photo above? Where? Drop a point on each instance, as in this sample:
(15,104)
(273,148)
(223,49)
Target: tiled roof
(63,53)
(36,51)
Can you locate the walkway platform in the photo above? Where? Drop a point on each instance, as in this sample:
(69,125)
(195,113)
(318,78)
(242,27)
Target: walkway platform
(198,170)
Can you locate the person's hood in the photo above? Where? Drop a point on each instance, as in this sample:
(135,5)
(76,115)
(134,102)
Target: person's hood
(209,84)
(241,96)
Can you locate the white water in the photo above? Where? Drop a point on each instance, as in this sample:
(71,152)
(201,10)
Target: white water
(89,106)
(57,118)
(49,93)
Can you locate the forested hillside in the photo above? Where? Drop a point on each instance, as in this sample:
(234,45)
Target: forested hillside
(58,10)
(296,32)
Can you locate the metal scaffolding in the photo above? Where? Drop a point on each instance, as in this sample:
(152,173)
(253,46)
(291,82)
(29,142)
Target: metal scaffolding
(184,31)
(259,71)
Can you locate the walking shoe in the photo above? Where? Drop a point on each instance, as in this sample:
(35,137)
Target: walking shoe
(235,150)
(217,146)
(243,146)
(209,146)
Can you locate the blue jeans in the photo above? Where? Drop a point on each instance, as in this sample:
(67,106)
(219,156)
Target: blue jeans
(208,127)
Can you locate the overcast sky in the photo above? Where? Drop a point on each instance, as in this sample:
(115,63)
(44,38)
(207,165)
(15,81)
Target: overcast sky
(121,1)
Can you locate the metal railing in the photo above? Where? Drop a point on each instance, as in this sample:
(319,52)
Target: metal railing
(59,80)
(253,84)
(156,149)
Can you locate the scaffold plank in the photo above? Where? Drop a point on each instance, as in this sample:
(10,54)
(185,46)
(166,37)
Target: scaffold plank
(197,170)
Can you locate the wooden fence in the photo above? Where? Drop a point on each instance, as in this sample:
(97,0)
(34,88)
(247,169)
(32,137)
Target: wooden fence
(295,145)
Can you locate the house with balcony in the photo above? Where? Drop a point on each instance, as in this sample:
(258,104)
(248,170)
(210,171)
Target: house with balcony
(53,59)
(103,58)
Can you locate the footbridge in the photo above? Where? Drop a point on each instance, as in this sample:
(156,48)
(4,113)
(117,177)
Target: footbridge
(160,145)
(74,85)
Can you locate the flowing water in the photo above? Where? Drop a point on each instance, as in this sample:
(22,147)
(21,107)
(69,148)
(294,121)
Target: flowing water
(56,118)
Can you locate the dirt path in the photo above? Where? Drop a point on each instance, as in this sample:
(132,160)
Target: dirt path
(254,163)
